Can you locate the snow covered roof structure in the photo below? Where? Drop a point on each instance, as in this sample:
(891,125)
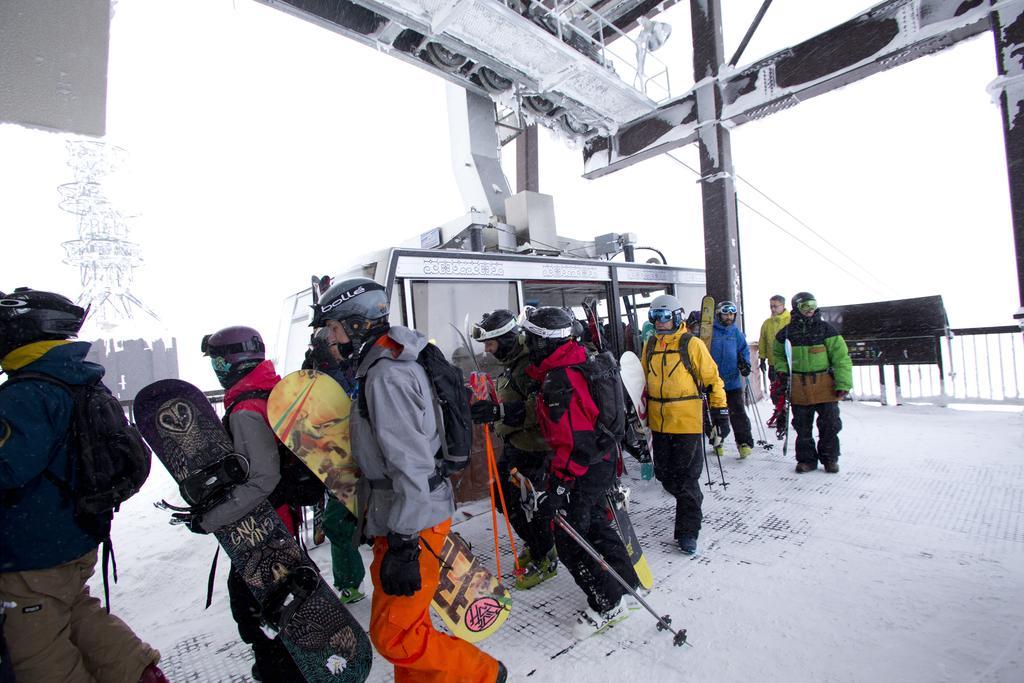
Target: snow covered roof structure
(557,64)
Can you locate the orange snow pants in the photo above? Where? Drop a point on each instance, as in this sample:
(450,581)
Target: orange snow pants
(401,630)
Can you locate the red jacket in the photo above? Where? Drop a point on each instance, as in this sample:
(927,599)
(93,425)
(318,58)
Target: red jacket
(262,378)
(566,413)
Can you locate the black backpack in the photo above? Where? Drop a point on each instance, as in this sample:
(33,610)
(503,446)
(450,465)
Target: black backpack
(451,397)
(108,461)
(604,380)
(298,485)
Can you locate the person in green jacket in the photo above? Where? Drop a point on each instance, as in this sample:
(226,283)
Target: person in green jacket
(822,375)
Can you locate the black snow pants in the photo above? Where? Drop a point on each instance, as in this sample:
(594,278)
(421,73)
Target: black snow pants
(535,533)
(678,464)
(587,512)
(829,425)
(272,658)
(738,418)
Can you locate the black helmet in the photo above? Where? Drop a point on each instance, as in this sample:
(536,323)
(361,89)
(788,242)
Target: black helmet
(501,326)
(546,329)
(359,304)
(28,315)
(801,297)
(318,355)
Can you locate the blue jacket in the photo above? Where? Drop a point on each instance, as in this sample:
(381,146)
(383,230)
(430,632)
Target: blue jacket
(38,529)
(727,343)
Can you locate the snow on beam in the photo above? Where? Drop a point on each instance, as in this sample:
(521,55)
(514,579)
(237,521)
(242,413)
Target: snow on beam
(887,35)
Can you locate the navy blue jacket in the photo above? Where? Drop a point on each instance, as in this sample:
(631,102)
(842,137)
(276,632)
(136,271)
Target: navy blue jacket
(726,344)
(38,530)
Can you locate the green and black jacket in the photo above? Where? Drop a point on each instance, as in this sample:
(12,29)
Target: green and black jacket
(817,347)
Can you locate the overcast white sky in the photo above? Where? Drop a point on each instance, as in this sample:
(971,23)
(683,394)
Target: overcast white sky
(264,149)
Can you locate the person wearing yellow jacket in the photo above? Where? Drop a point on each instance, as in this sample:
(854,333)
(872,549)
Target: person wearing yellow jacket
(769,329)
(674,360)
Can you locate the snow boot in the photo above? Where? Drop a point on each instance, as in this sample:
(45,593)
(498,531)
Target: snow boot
(537,573)
(802,467)
(831,465)
(524,557)
(719,451)
(589,621)
(350,595)
(152,674)
(688,544)
(745,450)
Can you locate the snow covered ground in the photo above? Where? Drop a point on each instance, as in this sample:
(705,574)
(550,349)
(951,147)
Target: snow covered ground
(908,565)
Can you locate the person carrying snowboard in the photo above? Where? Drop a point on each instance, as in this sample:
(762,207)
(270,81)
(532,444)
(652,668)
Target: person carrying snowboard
(396,441)
(769,329)
(340,525)
(524,447)
(58,632)
(732,356)
(238,357)
(582,467)
(822,375)
(679,369)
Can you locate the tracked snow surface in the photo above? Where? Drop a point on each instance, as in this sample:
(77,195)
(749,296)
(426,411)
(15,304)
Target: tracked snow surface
(908,565)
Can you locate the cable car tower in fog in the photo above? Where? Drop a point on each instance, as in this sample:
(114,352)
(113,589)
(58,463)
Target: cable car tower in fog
(105,257)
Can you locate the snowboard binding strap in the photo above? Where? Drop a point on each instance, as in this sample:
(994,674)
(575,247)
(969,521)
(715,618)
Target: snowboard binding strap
(288,596)
(211,485)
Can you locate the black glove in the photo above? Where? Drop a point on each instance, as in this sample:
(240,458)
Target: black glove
(485,411)
(720,428)
(555,497)
(400,569)
(743,365)
(763,365)
(189,520)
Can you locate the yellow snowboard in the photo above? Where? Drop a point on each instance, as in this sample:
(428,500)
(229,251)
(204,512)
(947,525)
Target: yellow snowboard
(309,412)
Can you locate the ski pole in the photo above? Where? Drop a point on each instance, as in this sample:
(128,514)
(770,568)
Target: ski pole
(707,465)
(707,409)
(763,441)
(664,622)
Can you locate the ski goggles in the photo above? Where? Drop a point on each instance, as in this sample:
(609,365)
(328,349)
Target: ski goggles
(727,309)
(807,306)
(660,315)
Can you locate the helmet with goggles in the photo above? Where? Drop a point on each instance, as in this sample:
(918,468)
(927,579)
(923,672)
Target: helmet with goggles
(804,302)
(547,328)
(500,326)
(29,315)
(665,308)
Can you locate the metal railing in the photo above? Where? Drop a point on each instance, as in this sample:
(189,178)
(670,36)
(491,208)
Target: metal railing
(983,365)
(584,28)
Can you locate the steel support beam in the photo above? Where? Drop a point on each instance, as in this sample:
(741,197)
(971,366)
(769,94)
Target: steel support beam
(527,161)
(893,32)
(718,190)
(1008,29)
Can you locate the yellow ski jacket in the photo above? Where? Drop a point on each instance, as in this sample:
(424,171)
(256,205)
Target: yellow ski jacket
(769,328)
(674,405)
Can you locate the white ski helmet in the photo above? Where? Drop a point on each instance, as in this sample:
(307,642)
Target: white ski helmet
(663,308)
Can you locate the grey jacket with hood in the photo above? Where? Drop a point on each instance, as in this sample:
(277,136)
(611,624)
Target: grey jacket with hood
(398,442)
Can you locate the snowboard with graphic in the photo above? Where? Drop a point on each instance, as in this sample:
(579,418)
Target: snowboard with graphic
(638,435)
(323,638)
(707,320)
(309,412)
